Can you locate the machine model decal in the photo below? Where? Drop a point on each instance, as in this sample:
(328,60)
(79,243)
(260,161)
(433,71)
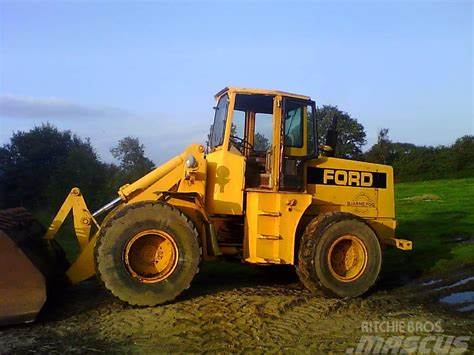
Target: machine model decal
(341,177)
(361,203)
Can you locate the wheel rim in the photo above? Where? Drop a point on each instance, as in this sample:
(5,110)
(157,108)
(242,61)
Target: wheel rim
(151,256)
(347,258)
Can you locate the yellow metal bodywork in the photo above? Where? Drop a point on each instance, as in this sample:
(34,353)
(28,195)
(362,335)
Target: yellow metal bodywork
(375,205)
(401,244)
(252,91)
(83,267)
(213,190)
(271,221)
(276,151)
(171,176)
(225,182)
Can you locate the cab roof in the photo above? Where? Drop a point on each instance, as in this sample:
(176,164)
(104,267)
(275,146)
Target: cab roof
(260,92)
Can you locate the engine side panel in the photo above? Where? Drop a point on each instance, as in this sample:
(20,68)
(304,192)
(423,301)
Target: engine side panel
(360,188)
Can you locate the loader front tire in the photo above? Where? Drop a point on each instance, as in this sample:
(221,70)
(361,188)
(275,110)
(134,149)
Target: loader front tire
(147,254)
(340,255)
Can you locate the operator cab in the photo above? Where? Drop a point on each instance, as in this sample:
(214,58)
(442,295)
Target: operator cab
(275,132)
(252,135)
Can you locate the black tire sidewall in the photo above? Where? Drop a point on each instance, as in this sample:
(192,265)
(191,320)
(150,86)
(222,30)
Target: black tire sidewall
(109,254)
(374,258)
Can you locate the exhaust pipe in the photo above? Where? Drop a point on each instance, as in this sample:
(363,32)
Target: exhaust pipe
(331,138)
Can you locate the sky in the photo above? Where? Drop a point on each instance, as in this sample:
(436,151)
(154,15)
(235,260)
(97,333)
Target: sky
(110,69)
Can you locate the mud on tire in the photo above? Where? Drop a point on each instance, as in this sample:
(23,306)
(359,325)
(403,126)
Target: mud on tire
(335,239)
(115,238)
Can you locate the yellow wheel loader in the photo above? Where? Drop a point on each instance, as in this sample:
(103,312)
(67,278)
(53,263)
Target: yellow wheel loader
(263,191)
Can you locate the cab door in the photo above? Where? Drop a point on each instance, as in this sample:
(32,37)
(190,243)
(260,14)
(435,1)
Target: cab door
(272,216)
(225,167)
(298,142)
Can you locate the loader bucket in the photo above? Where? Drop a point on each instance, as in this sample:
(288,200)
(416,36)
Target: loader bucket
(29,266)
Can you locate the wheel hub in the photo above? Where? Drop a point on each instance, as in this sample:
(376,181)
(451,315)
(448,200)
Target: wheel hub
(151,256)
(347,258)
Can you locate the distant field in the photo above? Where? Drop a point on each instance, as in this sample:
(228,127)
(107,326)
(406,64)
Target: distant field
(438,216)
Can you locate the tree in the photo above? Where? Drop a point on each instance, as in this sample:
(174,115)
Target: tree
(463,151)
(384,144)
(351,134)
(411,162)
(261,143)
(133,162)
(39,167)
(381,152)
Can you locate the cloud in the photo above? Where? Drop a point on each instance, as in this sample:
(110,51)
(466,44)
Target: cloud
(164,134)
(51,108)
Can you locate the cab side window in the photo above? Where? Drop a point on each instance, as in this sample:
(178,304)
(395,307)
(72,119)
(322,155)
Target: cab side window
(293,125)
(218,127)
(263,132)
(238,125)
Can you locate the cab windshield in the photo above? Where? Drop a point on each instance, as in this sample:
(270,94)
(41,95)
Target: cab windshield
(218,127)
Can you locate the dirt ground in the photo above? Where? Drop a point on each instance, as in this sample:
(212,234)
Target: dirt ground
(238,308)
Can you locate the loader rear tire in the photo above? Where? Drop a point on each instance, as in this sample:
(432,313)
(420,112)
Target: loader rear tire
(340,255)
(147,254)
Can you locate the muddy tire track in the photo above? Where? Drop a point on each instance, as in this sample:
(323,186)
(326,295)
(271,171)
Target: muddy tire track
(219,314)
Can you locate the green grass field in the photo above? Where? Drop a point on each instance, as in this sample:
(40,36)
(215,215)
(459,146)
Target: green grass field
(438,216)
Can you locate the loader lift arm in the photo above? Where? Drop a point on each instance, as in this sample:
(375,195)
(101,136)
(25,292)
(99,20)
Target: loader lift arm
(82,268)
(84,221)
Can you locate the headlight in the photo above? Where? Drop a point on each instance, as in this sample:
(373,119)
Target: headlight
(191,162)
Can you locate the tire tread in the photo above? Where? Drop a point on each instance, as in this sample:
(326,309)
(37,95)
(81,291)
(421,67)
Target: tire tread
(309,240)
(123,212)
